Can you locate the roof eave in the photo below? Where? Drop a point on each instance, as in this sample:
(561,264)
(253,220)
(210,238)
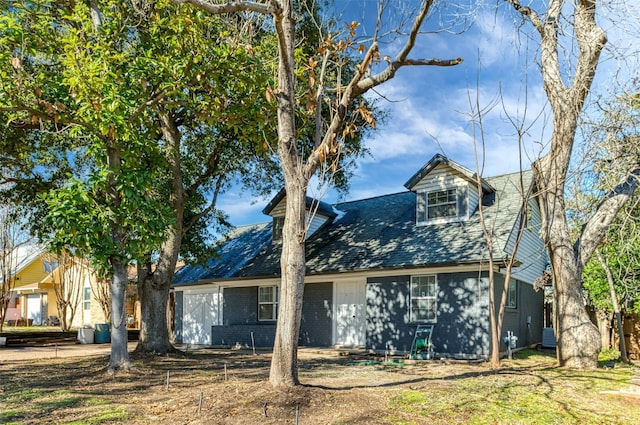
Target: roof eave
(441,159)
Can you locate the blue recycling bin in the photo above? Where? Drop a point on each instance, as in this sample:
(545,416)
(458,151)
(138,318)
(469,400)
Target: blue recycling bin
(102,333)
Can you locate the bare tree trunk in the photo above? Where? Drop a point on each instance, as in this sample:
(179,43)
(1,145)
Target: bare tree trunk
(578,339)
(154,333)
(616,306)
(284,365)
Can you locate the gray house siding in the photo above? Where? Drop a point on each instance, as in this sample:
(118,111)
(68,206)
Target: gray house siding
(528,304)
(531,250)
(388,326)
(463,315)
(240,318)
(317,315)
(462,324)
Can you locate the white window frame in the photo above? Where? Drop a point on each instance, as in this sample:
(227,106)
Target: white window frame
(273,301)
(425,297)
(422,217)
(86,298)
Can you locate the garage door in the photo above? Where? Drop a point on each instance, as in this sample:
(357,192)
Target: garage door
(200,312)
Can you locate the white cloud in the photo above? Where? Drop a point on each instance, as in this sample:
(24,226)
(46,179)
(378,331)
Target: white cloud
(242,208)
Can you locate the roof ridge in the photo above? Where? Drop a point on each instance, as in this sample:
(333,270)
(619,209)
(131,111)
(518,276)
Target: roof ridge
(371,198)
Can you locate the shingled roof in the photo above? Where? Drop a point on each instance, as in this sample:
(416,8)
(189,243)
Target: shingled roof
(372,234)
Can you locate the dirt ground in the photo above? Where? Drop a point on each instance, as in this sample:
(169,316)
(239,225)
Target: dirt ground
(230,387)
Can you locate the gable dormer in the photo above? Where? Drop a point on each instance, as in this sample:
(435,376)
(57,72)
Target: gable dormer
(445,191)
(317,214)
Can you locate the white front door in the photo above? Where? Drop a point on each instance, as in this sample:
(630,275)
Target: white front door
(200,312)
(34,308)
(350,313)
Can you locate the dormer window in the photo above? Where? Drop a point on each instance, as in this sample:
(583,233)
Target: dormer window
(446,192)
(442,204)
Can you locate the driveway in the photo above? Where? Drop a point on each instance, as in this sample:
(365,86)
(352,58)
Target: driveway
(11,354)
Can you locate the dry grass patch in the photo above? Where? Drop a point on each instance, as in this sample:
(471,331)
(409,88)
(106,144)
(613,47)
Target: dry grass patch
(222,387)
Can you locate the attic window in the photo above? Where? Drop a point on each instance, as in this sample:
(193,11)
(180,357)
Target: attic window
(440,205)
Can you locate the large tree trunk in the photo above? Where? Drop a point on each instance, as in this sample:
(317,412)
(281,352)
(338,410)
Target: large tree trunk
(578,339)
(154,286)
(119,336)
(284,364)
(154,331)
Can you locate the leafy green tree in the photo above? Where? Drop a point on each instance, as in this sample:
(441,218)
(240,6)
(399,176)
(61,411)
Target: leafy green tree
(203,113)
(58,72)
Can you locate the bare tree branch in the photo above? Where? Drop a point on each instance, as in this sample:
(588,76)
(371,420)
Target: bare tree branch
(596,228)
(232,7)
(402,60)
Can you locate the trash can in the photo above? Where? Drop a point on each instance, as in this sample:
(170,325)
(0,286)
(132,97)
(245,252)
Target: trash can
(85,335)
(102,333)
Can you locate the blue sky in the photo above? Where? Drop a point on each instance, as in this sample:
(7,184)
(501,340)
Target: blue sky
(429,108)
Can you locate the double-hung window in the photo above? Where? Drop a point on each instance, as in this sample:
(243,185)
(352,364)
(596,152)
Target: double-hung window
(423,298)
(442,204)
(267,302)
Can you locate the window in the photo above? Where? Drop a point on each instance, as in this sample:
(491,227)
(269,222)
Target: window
(87,298)
(49,266)
(512,301)
(423,298)
(441,204)
(278,224)
(267,302)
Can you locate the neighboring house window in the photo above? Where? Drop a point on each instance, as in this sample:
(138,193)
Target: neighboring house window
(423,298)
(267,302)
(87,298)
(50,266)
(512,301)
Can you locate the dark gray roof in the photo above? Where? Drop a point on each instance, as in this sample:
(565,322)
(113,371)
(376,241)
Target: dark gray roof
(234,251)
(376,233)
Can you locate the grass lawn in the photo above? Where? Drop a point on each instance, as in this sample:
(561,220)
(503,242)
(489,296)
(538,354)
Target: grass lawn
(229,387)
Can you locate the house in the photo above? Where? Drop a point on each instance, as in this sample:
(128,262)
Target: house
(377,268)
(33,300)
